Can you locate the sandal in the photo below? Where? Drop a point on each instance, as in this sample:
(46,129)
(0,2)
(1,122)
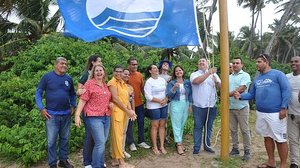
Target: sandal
(163,151)
(183,148)
(179,148)
(156,151)
(114,163)
(265,165)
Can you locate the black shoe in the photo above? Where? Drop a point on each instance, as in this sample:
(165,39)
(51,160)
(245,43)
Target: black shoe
(209,150)
(53,166)
(196,152)
(293,165)
(246,156)
(65,164)
(234,152)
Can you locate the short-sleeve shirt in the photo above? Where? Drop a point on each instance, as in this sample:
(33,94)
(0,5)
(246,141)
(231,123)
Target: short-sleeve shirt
(97,99)
(84,77)
(236,80)
(294,105)
(137,82)
(155,88)
(117,113)
(204,94)
(166,77)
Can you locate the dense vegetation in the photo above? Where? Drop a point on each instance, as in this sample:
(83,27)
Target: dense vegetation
(22,130)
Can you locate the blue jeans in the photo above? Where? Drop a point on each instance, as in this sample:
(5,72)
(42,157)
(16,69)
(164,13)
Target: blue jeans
(97,129)
(58,125)
(88,144)
(201,120)
(140,112)
(129,133)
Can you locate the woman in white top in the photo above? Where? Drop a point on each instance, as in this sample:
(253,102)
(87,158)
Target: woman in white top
(155,93)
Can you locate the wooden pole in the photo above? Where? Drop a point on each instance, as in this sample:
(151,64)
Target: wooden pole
(224,53)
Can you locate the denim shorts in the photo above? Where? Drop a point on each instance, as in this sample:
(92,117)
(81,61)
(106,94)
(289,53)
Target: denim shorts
(158,114)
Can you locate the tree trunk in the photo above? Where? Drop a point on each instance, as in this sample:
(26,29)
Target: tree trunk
(283,20)
(290,49)
(211,12)
(252,33)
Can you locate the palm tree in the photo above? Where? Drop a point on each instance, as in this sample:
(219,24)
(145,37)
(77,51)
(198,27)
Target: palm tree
(34,22)
(246,41)
(291,11)
(205,21)
(287,43)
(255,7)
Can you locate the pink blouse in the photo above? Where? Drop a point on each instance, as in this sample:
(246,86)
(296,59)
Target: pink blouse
(97,99)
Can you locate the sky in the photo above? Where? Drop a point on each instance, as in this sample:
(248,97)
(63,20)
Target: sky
(239,17)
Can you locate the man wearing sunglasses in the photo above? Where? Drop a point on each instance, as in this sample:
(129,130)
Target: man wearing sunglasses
(271,92)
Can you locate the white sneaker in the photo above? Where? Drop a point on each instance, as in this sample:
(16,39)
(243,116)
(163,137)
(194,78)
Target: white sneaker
(132,147)
(144,145)
(88,166)
(127,155)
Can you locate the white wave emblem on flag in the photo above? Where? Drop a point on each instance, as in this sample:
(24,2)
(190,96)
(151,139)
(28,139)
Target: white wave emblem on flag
(134,18)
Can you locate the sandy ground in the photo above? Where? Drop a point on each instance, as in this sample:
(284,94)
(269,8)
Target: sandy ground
(173,160)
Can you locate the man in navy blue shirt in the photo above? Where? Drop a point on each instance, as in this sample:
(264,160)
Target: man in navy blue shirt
(60,103)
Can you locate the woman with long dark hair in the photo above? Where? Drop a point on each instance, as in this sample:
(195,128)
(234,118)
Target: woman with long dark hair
(179,91)
(92,60)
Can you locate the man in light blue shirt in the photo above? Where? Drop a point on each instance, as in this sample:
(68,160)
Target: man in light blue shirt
(239,109)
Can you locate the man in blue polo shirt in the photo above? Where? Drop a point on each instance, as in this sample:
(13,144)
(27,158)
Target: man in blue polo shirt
(271,91)
(60,103)
(239,109)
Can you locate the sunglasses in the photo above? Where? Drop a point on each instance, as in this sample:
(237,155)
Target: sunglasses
(264,57)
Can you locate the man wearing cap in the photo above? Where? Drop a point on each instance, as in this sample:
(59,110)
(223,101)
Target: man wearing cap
(271,91)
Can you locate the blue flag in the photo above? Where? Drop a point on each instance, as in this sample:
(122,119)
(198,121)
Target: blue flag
(156,23)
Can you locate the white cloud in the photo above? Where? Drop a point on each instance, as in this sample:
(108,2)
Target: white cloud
(239,17)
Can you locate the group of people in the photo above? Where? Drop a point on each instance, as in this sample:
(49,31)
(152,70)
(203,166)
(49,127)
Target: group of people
(114,106)
(277,98)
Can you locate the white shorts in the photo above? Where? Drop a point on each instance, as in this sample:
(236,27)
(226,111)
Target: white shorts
(269,125)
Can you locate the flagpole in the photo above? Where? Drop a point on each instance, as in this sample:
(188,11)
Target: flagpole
(224,51)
